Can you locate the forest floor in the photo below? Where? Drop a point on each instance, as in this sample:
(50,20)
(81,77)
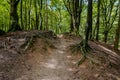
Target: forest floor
(48,57)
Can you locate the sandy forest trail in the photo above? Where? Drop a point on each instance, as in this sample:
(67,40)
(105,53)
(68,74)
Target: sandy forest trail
(56,66)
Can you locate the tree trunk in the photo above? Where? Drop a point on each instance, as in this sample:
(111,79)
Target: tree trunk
(74,7)
(29,18)
(98,21)
(41,19)
(36,15)
(84,46)
(14,25)
(117,35)
(71,25)
(79,13)
(25,15)
(76,15)
(89,23)
(105,36)
(46,15)
(21,17)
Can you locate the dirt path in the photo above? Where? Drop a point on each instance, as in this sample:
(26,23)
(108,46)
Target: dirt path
(50,59)
(56,66)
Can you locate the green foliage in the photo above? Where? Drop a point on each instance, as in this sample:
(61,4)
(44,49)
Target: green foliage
(58,18)
(4,15)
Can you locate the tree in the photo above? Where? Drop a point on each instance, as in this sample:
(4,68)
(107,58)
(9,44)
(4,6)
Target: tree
(88,31)
(107,16)
(36,15)
(40,14)
(117,34)
(30,1)
(25,15)
(74,7)
(46,16)
(14,25)
(21,17)
(98,20)
(83,46)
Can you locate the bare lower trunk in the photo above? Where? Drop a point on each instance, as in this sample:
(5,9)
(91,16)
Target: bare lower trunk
(14,25)
(117,35)
(105,36)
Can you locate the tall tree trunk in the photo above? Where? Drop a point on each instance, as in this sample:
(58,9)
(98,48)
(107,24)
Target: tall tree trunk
(74,7)
(76,15)
(71,25)
(41,19)
(117,35)
(29,20)
(84,46)
(98,20)
(14,25)
(46,15)
(79,13)
(36,15)
(108,18)
(21,17)
(89,23)
(25,15)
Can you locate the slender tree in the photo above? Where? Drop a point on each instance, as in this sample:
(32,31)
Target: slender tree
(46,15)
(83,46)
(40,14)
(36,14)
(21,11)
(29,18)
(74,7)
(107,16)
(25,15)
(117,35)
(88,31)
(98,20)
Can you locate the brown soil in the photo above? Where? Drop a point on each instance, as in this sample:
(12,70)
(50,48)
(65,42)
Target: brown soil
(50,58)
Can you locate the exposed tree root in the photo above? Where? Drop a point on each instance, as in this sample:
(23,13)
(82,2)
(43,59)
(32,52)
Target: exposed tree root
(81,60)
(81,48)
(49,44)
(29,43)
(15,28)
(43,35)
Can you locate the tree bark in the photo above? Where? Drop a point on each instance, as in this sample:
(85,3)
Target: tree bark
(25,15)
(89,22)
(74,7)
(36,15)
(46,15)
(84,46)
(21,17)
(98,20)
(117,34)
(29,18)
(14,25)
(41,19)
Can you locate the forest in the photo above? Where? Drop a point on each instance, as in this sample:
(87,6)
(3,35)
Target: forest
(59,39)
